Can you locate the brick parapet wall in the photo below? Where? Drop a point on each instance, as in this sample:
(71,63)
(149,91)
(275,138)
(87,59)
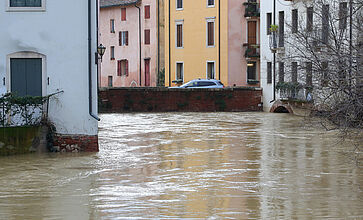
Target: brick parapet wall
(75,143)
(173,99)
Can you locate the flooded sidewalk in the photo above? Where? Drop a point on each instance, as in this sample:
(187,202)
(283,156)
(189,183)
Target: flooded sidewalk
(190,165)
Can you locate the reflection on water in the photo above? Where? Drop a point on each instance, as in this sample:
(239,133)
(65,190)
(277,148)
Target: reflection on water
(189,165)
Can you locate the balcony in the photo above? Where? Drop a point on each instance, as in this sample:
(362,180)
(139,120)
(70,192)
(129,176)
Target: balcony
(252,50)
(252,9)
(294,92)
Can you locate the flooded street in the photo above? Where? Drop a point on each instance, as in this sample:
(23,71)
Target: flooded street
(190,165)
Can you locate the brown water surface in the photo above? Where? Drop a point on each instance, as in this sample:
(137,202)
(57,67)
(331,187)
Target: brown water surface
(190,165)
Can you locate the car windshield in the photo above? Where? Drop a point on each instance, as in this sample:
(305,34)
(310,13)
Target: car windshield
(189,84)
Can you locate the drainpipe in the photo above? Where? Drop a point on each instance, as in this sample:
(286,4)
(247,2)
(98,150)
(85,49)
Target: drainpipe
(350,41)
(139,44)
(274,61)
(219,39)
(90,61)
(157,74)
(169,47)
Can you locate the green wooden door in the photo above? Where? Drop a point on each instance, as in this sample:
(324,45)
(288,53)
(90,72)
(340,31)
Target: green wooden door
(26,76)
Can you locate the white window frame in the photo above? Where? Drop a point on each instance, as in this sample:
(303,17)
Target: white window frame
(179,22)
(211,19)
(176,5)
(22,9)
(176,69)
(211,6)
(214,66)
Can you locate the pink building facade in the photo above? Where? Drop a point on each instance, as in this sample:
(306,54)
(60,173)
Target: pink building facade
(243,43)
(128,30)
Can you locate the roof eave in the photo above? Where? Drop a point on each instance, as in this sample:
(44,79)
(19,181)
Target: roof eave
(124,4)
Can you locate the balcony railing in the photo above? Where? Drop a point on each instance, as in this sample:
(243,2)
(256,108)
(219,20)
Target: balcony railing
(252,8)
(252,50)
(294,91)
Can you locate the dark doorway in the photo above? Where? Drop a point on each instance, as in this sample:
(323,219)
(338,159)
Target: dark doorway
(281,109)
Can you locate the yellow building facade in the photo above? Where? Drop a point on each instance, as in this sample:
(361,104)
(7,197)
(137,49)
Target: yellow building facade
(214,39)
(191,51)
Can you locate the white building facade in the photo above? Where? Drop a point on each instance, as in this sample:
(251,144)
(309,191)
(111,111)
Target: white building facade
(305,53)
(272,13)
(47,47)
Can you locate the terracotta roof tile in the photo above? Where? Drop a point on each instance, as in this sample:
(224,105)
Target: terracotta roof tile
(113,3)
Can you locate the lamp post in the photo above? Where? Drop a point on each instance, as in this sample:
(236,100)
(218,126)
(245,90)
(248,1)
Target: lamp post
(100,52)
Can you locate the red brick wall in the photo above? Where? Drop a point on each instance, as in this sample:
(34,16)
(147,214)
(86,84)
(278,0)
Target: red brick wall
(166,100)
(75,143)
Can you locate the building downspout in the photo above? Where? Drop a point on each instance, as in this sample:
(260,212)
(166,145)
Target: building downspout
(219,39)
(274,61)
(90,61)
(139,44)
(169,47)
(157,74)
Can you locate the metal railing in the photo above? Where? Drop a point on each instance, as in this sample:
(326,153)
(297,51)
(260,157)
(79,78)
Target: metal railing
(300,94)
(252,50)
(252,8)
(18,111)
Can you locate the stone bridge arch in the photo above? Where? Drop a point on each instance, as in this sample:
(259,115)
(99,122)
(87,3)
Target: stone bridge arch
(281,107)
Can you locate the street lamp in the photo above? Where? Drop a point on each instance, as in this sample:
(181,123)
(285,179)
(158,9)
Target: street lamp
(100,52)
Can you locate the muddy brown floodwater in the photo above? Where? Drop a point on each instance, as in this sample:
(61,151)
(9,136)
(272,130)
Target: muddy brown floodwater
(190,165)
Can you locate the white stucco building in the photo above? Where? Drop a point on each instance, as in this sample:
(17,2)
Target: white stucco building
(309,57)
(48,46)
(272,13)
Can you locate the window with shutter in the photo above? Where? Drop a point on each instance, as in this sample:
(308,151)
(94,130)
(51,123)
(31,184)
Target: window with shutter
(309,18)
(126,38)
(210,3)
(269,22)
(325,24)
(123,38)
(147,36)
(251,71)
(120,38)
(179,71)
(343,13)
(309,74)
(26,76)
(112,26)
(123,14)
(269,72)
(210,33)
(147,11)
(179,35)
(281,71)
(126,67)
(294,72)
(119,68)
(110,81)
(295,15)
(25,3)
(324,74)
(179,4)
(112,52)
(211,70)
(281,29)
